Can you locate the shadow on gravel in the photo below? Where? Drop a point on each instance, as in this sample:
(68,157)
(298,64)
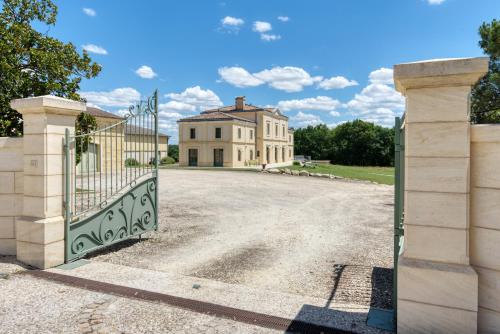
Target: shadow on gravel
(115,247)
(382,288)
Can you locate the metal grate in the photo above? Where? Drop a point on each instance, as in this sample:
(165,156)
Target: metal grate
(248,317)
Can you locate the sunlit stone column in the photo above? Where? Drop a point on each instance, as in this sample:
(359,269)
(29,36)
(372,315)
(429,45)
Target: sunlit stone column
(437,287)
(40,229)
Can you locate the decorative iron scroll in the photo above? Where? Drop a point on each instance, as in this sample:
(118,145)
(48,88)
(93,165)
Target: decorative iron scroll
(131,214)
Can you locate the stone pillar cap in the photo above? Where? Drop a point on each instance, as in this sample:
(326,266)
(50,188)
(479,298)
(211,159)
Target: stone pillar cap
(440,72)
(48,103)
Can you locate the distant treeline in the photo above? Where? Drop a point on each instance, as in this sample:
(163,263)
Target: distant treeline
(357,143)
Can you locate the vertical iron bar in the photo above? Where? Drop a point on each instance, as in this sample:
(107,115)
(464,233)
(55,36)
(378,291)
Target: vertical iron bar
(156,157)
(100,167)
(111,159)
(95,165)
(87,140)
(106,163)
(121,156)
(81,174)
(67,194)
(397,213)
(116,157)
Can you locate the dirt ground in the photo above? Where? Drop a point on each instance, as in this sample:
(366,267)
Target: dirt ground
(314,237)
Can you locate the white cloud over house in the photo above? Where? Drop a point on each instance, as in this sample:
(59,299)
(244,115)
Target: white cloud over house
(196,97)
(337,82)
(287,78)
(89,11)
(303,119)
(120,97)
(145,72)
(319,103)
(92,48)
(378,102)
(239,77)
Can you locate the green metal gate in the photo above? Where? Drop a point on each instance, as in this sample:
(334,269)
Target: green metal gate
(117,198)
(399,187)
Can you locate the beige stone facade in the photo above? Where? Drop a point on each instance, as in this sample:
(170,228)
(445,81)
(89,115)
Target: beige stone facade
(235,136)
(115,145)
(449,268)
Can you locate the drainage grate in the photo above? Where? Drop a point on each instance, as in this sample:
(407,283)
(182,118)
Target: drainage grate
(248,317)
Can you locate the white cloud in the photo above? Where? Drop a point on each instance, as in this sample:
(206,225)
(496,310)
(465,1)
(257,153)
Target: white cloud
(92,48)
(89,11)
(261,26)
(288,78)
(170,115)
(382,76)
(177,106)
(194,96)
(239,77)
(335,124)
(269,37)
(120,97)
(283,18)
(377,103)
(230,24)
(302,119)
(435,2)
(145,72)
(232,21)
(334,113)
(321,103)
(338,82)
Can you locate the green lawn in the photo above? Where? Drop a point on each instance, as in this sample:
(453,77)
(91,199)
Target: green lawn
(384,175)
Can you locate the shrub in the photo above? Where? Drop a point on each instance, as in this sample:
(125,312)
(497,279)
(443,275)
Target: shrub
(296,163)
(131,162)
(167,161)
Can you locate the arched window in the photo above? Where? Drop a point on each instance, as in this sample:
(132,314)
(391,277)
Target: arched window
(239,155)
(239,133)
(276,154)
(251,154)
(283,154)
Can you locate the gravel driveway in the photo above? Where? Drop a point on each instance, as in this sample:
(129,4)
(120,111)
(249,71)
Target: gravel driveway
(314,237)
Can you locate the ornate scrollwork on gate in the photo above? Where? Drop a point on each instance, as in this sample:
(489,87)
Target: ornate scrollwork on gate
(131,214)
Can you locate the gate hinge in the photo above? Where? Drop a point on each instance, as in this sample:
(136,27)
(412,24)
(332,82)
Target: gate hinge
(399,232)
(399,148)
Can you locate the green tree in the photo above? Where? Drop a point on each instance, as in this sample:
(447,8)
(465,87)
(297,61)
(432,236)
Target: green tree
(362,143)
(33,63)
(485,103)
(314,141)
(85,123)
(173,152)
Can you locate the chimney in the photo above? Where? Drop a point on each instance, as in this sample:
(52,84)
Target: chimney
(240,103)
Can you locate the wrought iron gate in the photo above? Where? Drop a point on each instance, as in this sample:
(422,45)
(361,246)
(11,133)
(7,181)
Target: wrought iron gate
(399,187)
(116,197)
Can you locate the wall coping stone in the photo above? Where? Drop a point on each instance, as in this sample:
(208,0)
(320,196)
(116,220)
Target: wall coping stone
(485,133)
(48,104)
(439,73)
(11,143)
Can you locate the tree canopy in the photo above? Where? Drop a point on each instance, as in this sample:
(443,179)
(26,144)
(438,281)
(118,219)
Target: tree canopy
(33,63)
(356,142)
(485,103)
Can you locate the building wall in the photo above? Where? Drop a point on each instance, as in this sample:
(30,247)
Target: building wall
(205,142)
(11,191)
(485,222)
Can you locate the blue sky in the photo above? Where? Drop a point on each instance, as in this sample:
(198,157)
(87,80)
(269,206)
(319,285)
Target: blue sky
(318,61)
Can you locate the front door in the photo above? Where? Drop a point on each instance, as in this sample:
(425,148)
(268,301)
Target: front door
(193,157)
(218,157)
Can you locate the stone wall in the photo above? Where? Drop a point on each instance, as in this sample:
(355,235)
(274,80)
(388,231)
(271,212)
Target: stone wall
(11,191)
(485,222)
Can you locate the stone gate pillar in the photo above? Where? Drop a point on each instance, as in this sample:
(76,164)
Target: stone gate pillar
(40,229)
(437,287)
